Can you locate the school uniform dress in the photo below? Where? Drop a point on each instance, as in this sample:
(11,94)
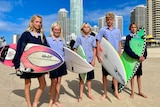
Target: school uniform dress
(27,37)
(113,36)
(87,43)
(129,51)
(58,47)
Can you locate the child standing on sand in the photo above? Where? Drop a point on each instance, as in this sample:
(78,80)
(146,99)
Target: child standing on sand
(88,43)
(133,29)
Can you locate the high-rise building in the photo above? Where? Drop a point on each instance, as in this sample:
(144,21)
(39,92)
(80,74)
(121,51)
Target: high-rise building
(63,20)
(76,16)
(138,16)
(101,22)
(95,28)
(153,18)
(118,23)
(15,38)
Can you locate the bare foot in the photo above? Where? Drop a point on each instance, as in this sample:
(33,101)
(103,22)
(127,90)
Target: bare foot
(50,103)
(35,104)
(141,94)
(132,96)
(79,99)
(58,104)
(103,97)
(91,97)
(117,96)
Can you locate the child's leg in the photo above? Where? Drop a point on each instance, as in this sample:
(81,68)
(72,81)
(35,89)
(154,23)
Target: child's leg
(52,92)
(89,90)
(132,88)
(140,87)
(58,86)
(104,80)
(27,92)
(115,82)
(42,85)
(81,87)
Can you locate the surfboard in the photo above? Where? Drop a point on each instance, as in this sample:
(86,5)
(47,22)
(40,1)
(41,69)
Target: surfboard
(112,62)
(35,58)
(7,54)
(81,52)
(75,63)
(137,44)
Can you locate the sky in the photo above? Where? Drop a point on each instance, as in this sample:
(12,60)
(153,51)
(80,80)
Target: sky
(15,14)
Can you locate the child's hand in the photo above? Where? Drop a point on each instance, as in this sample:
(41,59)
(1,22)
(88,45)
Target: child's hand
(99,58)
(141,58)
(93,63)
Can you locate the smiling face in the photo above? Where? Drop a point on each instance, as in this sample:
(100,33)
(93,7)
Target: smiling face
(56,31)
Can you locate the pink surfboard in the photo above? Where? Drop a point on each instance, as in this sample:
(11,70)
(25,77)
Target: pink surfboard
(37,58)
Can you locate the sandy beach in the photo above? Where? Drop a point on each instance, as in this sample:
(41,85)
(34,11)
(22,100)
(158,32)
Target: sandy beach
(12,88)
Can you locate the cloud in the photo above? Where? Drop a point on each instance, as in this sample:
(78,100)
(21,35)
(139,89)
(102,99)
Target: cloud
(5,6)
(47,21)
(93,16)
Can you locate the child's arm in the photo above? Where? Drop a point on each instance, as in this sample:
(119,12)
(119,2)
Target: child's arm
(94,57)
(120,48)
(98,51)
(128,50)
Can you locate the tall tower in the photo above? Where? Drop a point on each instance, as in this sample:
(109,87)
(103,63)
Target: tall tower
(76,16)
(63,20)
(153,18)
(101,21)
(15,38)
(138,15)
(119,23)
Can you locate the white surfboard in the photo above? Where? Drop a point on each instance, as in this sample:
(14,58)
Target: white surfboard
(75,63)
(111,61)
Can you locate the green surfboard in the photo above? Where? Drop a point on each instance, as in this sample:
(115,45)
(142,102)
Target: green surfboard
(131,65)
(80,51)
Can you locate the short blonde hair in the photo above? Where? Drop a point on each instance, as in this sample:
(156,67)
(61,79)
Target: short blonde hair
(110,15)
(84,25)
(53,26)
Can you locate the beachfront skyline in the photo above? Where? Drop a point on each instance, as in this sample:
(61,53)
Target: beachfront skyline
(15,14)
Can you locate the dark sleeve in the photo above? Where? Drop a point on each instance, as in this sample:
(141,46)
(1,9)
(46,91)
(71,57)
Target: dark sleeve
(45,41)
(20,48)
(127,48)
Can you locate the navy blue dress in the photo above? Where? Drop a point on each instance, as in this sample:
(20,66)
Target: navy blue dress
(25,38)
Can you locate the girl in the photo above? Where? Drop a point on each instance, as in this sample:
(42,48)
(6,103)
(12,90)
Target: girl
(33,34)
(56,43)
(88,43)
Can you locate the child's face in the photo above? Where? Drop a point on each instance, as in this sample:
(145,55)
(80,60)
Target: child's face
(133,29)
(86,29)
(109,21)
(37,23)
(56,31)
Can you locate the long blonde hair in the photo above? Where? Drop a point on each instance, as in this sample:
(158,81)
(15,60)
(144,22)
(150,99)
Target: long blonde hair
(30,26)
(52,27)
